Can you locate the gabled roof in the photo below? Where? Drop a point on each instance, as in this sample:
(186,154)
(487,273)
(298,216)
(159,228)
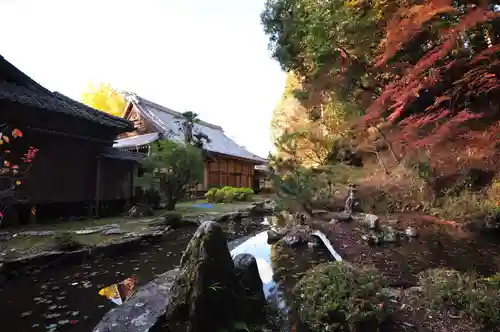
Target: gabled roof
(136,141)
(167,122)
(17,87)
(114,153)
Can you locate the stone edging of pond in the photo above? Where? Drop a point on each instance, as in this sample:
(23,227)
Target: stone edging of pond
(47,259)
(143,310)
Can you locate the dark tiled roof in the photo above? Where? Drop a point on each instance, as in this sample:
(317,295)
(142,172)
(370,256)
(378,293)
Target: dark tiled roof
(166,122)
(136,141)
(113,153)
(10,73)
(17,87)
(103,117)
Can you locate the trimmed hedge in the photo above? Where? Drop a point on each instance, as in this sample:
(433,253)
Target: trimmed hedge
(228,194)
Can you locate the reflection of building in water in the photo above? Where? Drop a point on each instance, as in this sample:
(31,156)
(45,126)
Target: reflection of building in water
(121,292)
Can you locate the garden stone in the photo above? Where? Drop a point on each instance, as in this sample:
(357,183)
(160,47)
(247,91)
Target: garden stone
(143,310)
(37,233)
(245,214)
(341,216)
(247,273)
(292,240)
(207,281)
(273,236)
(314,242)
(411,232)
(390,235)
(141,210)
(113,231)
(390,292)
(372,238)
(230,216)
(87,231)
(370,220)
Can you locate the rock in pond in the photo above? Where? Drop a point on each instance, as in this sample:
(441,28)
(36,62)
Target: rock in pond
(206,295)
(247,273)
(370,220)
(274,236)
(411,232)
(292,240)
(314,242)
(142,311)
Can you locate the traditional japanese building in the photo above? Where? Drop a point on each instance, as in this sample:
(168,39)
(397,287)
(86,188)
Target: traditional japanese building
(226,162)
(77,170)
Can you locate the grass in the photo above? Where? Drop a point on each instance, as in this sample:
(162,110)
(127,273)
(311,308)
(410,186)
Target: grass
(23,245)
(186,207)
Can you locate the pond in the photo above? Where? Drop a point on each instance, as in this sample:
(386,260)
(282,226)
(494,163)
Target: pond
(280,268)
(66,298)
(436,246)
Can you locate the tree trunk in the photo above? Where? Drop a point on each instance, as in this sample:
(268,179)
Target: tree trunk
(389,145)
(170,201)
(381,162)
(170,205)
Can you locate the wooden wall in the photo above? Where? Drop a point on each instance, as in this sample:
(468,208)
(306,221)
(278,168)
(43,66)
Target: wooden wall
(65,171)
(142,127)
(228,172)
(116,179)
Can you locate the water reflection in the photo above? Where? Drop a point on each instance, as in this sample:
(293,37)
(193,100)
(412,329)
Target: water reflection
(280,268)
(120,292)
(66,298)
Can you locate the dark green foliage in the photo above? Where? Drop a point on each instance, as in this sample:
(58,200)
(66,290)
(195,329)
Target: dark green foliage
(465,292)
(339,297)
(152,197)
(171,168)
(66,242)
(172,219)
(228,194)
(192,137)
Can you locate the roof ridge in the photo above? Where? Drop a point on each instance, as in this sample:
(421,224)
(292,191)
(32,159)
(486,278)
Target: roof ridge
(168,110)
(23,76)
(90,108)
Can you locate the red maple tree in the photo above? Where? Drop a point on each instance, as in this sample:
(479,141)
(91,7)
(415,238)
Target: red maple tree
(14,167)
(448,89)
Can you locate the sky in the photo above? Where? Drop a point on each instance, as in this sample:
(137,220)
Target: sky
(208,57)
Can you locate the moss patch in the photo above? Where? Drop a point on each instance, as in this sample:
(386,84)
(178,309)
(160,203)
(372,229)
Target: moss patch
(339,297)
(452,292)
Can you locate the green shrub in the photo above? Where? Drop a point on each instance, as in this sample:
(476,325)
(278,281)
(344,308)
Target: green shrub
(339,297)
(172,219)
(67,242)
(220,196)
(228,194)
(465,292)
(210,194)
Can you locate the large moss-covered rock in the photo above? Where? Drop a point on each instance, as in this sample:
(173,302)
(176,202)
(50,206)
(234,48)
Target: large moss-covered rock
(206,295)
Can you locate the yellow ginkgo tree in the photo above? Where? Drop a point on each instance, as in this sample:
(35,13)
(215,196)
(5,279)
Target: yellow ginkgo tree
(104,98)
